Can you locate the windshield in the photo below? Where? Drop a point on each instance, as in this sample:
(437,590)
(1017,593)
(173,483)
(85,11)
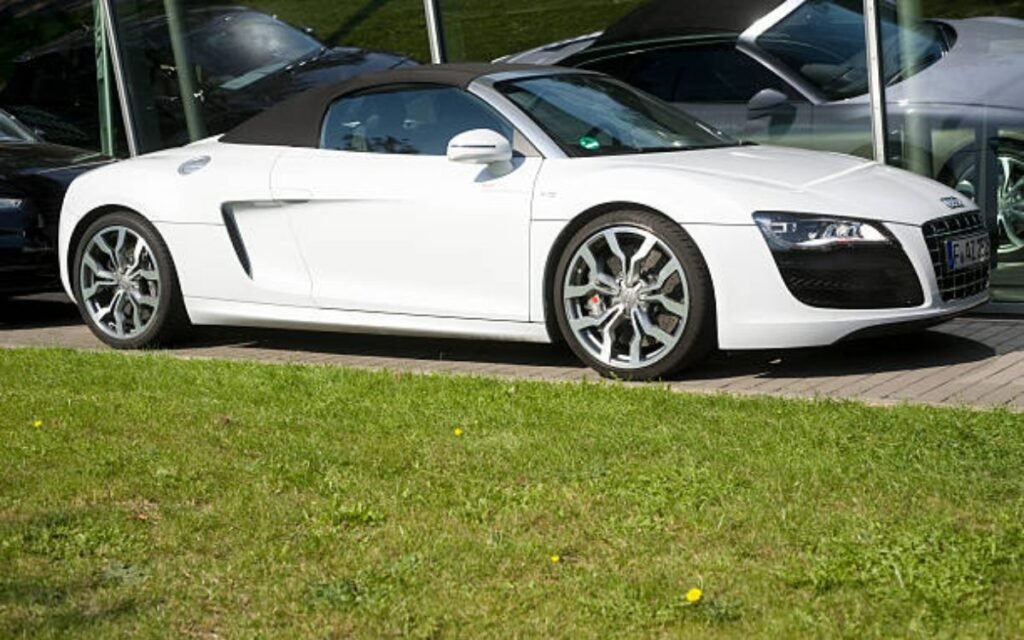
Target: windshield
(13,131)
(238,49)
(824,41)
(589,115)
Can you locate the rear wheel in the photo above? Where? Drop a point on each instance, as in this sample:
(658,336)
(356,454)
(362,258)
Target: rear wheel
(126,285)
(1010,195)
(633,297)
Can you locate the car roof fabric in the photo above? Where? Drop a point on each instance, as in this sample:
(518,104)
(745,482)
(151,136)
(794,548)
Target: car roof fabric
(296,122)
(668,18)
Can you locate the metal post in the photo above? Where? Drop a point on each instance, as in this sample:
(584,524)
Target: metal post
(987,180)
(104,82)
(119,75)
(184,70)
(917,130)
(435,31)
(876,81)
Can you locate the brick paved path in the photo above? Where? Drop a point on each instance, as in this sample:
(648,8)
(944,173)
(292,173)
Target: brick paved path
(971,361)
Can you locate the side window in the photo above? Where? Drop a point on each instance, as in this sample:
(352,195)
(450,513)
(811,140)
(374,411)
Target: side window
(416,121)
(695,73)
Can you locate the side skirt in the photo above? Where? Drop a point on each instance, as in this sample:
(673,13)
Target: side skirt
(206,311)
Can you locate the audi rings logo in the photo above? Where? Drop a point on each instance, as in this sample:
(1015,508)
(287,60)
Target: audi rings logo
(953,203)
(195,164)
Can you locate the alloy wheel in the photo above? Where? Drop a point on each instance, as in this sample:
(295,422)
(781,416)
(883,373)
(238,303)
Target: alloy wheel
(120,282)
(1010,198)
(627,298)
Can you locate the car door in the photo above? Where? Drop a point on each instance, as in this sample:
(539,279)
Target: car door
(386,223)
(718,84)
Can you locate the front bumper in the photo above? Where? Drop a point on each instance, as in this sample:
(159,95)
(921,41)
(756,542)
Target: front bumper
(756,310)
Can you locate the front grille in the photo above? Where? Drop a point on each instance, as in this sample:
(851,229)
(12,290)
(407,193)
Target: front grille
(852,277)
(965,283)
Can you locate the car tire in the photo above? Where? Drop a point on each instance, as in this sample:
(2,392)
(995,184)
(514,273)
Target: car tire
(633,297)
(125,283)
(960,174)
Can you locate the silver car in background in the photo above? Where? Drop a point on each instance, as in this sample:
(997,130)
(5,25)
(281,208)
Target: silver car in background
(794,72)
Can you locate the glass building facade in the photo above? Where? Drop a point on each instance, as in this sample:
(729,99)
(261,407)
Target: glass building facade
(130,76)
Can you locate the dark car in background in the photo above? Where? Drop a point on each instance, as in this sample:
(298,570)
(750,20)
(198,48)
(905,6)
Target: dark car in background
(794,72)
(34,176)
(242,61)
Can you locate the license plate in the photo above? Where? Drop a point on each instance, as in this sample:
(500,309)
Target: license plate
(963,253)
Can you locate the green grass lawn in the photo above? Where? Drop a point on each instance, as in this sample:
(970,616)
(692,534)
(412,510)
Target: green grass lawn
(165,498)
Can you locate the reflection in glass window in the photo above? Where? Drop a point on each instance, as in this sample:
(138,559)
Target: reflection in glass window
(693,73)
(477,30)
(588,115)
(824,41)
(234,49)
(201,67)
(963,121)
(419,121)
(55,74)
(13,131)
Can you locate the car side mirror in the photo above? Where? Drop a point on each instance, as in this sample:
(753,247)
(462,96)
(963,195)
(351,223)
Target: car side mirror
(480,146)
(767,102)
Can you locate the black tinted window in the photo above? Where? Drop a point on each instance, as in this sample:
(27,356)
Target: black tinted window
(420,121)
(696,73)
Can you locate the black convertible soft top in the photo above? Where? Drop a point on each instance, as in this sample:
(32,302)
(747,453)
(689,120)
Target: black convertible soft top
(667,18)
(296,122)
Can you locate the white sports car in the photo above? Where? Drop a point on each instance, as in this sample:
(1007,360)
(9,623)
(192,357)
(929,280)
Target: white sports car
(515,203)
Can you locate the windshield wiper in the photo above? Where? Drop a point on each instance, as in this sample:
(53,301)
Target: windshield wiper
(694,147)
(311,57)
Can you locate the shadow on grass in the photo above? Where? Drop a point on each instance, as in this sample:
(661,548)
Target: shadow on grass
(70,584)
(33,606)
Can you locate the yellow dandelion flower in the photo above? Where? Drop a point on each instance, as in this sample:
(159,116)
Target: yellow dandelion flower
(458,432)
(694,595)
(556,559)
(38,424)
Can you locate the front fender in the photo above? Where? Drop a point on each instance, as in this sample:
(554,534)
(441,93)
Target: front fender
(153,187)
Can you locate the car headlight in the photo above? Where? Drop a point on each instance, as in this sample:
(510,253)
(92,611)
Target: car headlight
(840,263)
(10,203)
(794,232)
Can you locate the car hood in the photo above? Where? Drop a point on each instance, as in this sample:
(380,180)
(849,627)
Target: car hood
(43,157)
(794,180)
(985,67)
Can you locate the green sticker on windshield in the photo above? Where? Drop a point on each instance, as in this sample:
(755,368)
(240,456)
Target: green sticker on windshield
(590,144)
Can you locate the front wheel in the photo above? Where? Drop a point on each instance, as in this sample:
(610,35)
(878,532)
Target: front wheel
(126,285)
(633,297)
